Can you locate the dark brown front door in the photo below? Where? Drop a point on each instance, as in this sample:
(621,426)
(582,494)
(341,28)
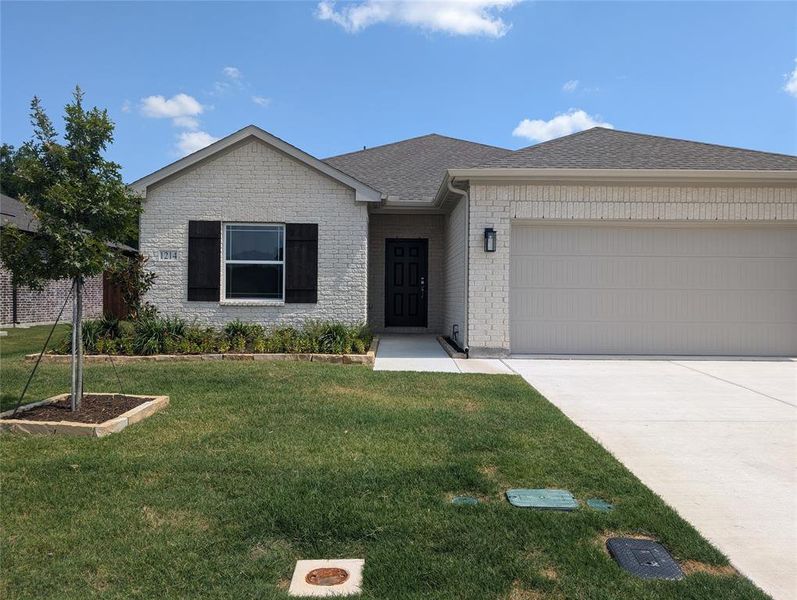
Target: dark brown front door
(406,274)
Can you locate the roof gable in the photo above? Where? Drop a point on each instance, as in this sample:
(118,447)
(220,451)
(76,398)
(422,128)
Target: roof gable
(600,148)
(13,212)
(363,192)
(411,170)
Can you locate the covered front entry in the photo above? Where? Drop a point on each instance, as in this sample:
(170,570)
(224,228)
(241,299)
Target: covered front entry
(653,289)
(406,280)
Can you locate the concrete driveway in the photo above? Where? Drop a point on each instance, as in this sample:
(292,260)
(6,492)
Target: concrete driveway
(717,440)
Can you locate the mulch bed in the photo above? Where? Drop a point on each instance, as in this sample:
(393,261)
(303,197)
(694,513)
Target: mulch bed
(94,408)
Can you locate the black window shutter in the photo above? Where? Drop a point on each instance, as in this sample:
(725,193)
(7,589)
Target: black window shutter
(204,256)
(301,263)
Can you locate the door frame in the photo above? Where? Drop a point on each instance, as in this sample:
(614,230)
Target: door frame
(424,273)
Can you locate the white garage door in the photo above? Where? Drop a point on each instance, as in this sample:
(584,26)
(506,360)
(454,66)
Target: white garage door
(645,289)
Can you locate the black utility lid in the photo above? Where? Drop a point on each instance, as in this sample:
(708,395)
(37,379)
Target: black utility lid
(644,558)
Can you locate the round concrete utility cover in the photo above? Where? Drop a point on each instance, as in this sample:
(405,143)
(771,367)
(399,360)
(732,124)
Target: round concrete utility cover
(326,576)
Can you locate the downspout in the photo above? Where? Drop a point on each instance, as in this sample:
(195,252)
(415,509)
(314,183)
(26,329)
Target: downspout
(466,199)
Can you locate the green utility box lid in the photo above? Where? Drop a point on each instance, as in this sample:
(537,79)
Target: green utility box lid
(464,501)
(543,499)
(600,504)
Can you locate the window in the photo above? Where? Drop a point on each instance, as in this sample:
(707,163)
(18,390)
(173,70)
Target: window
(254,262)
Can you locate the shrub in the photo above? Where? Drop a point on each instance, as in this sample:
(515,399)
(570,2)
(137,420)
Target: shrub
(92,332)
(126,329)
(282,339)
(134,281)
(248,331)
(153,334)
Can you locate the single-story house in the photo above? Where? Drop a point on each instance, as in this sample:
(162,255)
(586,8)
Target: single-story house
(22,305)
(600,242)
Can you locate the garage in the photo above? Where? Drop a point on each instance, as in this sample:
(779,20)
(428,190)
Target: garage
(653,289)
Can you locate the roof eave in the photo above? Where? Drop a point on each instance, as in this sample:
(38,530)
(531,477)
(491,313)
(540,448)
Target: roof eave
(362,191)
(637,175)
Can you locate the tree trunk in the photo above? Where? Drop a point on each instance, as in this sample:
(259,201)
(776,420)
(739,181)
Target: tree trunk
(77,343)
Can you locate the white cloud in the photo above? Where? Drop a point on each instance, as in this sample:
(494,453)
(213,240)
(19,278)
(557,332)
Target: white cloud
(233,81)
(791,82)
(184,111)
(261,101)
(126,106)
(232,72)
(191,141)
(177,107)
(570,86)
(570,122)
(457,17)
(221,87)
(186,122)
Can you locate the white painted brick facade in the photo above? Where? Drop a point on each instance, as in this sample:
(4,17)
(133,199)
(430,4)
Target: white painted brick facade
(455,307)
(254,182)
(496,206)
(385,226)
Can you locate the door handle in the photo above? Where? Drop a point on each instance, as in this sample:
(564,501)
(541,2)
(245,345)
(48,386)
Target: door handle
(423,286)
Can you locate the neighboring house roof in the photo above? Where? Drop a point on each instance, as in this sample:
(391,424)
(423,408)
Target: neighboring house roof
(411,170)
(600,148)
(13,212)
(363,191)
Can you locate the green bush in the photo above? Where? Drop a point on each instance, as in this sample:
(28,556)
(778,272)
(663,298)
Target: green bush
(153,334)
(92,333)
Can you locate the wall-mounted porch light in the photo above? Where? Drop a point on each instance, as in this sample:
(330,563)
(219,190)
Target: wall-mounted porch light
(489,239)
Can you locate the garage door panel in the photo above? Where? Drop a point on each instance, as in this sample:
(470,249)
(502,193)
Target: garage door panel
(671,339)
(657,272)
(606,289)
(649,241)
(619,305)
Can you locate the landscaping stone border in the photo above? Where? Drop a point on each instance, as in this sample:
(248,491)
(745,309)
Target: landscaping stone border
(347,359)
(450,350)
(134,415)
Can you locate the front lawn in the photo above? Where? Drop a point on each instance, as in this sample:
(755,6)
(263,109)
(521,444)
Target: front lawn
(255,465)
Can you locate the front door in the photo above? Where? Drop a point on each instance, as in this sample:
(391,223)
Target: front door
(406,274)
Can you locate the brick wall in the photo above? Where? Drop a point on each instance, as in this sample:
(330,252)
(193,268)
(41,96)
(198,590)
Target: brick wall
(454,309)
(253,182)
(43,306)
(384,226)
(495,205)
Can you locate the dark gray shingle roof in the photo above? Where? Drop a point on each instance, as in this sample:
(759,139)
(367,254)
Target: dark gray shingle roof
(413,169)
(600,148)
(13,212)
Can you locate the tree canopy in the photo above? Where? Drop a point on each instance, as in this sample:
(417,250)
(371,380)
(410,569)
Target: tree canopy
(83,207)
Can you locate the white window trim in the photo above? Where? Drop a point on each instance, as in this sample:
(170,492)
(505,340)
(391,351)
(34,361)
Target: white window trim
(224,261)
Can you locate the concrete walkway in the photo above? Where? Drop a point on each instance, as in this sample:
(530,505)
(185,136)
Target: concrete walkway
(717,440)
(416,352)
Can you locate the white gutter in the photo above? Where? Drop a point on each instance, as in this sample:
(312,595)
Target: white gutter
(625,175)
(466,199)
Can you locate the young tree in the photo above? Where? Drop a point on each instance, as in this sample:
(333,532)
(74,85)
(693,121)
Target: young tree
(133,281)
(8,177)
(82,206)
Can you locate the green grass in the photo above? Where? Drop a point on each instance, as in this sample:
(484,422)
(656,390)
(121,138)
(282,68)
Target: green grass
(256,465)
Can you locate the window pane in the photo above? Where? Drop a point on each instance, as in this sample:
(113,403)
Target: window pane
(254,281)
(254,242)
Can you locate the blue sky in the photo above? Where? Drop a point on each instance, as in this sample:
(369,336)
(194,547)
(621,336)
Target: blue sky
(334,77)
